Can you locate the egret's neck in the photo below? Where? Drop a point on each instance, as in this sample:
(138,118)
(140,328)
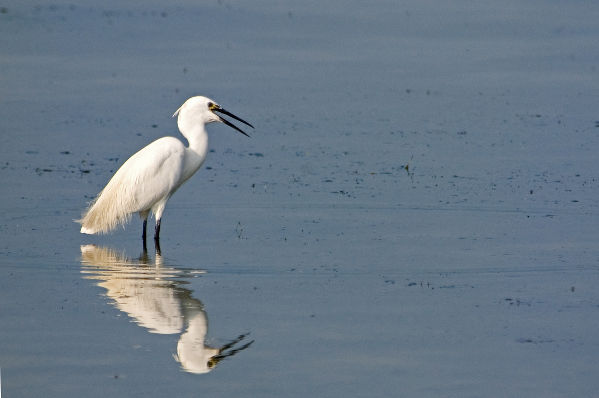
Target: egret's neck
(196,152)
(198,140)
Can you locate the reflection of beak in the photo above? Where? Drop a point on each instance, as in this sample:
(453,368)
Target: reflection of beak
(212,362)
(228,350)
(217,108)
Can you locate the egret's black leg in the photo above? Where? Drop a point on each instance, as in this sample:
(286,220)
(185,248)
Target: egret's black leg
(157,237)
(143,236)
(158,250)
(157,231)
(143,257)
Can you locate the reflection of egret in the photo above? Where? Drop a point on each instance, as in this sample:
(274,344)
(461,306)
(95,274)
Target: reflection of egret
(146,181)
(151,294)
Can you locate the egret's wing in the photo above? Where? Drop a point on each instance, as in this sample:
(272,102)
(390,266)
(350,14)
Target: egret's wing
(154,172)
(145,178)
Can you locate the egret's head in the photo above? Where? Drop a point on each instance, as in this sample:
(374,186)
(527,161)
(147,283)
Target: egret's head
(202,110)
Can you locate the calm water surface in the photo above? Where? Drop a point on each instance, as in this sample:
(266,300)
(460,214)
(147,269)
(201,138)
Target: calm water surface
(415,214)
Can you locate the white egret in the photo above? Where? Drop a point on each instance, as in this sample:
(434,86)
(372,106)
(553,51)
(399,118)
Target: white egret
(146,181)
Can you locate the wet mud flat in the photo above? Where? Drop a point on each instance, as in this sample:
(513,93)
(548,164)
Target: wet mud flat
(415,213)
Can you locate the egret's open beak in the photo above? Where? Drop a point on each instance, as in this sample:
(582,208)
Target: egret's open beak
(217,108)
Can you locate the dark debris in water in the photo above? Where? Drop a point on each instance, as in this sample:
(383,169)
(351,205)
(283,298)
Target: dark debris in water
(527,340)
(517,302)
(41,171)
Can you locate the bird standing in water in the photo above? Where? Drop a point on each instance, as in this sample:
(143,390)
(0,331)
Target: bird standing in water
(146,181)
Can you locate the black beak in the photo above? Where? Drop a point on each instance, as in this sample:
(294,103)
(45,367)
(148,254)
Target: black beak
(228,123)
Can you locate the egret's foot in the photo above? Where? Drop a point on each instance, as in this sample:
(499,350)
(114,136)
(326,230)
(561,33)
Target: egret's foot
(157,245)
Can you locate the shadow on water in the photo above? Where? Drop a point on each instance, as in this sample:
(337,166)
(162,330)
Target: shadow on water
(152,295)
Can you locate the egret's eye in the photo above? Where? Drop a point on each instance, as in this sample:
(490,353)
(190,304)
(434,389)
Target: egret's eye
(212,106)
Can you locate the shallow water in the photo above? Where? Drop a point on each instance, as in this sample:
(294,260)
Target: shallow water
(415,214)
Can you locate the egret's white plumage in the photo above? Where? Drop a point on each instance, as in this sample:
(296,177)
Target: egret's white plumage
(147,179)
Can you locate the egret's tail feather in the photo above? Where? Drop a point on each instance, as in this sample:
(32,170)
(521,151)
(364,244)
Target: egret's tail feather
(106,212)
(85,230)
(101,218)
